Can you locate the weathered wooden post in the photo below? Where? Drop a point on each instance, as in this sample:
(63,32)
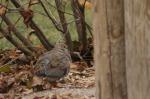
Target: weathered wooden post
(137,28)
(108,23)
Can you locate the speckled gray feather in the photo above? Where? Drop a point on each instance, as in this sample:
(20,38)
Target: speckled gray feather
(54,64)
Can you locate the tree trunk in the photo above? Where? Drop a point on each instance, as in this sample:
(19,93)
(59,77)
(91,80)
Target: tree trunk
(108,22)
(78,12)
(63,21)
(137,23)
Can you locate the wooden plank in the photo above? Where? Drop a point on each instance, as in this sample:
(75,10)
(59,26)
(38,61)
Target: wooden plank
(137,27)
(108,23)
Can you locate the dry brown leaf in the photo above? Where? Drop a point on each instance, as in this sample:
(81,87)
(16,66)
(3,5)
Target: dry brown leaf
(79,66)
(2,10)
(73,66)
(88,4)
(3,86)
(36,81)
(27,15)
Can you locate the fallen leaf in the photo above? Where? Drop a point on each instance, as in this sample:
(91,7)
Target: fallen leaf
(5,68)
(37,84)
(36,81)
(87,3)
(2,10)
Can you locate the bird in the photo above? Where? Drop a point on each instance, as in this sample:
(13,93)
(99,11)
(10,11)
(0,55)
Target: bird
(54,64)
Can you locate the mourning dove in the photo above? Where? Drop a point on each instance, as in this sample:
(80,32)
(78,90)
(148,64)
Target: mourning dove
(54,64)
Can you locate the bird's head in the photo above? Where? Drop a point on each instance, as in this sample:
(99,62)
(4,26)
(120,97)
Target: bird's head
(61,45)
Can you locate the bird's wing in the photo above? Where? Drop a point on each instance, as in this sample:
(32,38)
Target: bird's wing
(56,72)
(40,72)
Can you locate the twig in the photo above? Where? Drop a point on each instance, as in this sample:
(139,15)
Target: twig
(17,33)
(52,19)
(64,24)
(34,26)
(15,42)
(59,9)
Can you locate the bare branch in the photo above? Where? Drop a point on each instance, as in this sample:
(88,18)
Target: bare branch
(64,24)
(34,26)
(17,33)
(51,18)
(15,42)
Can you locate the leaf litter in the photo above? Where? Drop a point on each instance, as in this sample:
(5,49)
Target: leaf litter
(18,82)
